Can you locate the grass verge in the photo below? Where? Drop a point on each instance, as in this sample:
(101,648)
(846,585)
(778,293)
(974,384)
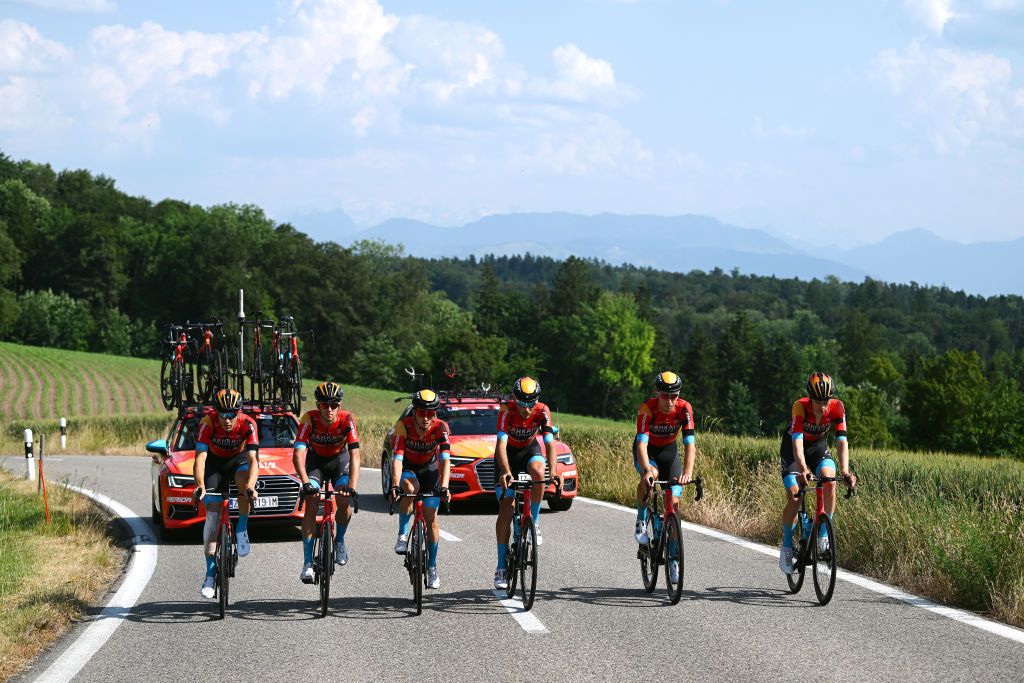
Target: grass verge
(49,576)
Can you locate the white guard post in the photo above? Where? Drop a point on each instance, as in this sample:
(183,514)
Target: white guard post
(30,458)
(63,433)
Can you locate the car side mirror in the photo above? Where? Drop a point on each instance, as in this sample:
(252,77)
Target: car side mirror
(158,448)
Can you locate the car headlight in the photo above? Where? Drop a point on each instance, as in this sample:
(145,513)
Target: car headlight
(566,459)
(457,461)
(180,481)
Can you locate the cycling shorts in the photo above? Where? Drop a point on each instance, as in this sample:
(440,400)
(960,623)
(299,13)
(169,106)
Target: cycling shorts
(334,469)
(519,460)
(220,471)
(816,455)
(665,459)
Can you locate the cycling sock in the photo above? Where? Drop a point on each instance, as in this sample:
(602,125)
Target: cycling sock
(787,535)
(431,553)
(502,555)
(535,510)
(404,524)
(243,524)
(641,514)
(341,533)
(307,550)
(211,565)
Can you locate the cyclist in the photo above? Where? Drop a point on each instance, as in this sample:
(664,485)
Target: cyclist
(421,462)
(326,449)
(804,450)
(226,447)
(655,451)
(516,452)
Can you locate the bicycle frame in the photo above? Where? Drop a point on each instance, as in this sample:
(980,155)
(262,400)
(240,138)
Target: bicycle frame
(416,558)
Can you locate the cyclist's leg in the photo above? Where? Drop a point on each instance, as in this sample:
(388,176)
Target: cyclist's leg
(408,484)
(241,477)
(428,481)
(666,460)
(826,467)
(315,473)
(506,498)
(339,475)
(535,467)
(790,469)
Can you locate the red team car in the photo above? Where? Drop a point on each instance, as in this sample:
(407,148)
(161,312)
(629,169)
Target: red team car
(473,418)
(174,458)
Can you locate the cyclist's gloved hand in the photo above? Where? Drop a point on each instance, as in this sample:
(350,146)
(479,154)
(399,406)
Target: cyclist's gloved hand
(251,494)
(310,488)
(446,494)
(393,492)
(198,493)
(506,480)
(558,483)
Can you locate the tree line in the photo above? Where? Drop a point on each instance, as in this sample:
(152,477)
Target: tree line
(86,266)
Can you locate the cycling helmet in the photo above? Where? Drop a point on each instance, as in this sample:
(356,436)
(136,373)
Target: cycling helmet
(820,386)
(425,399)
(227,400)
(526,390)
(329,392)
(668,383)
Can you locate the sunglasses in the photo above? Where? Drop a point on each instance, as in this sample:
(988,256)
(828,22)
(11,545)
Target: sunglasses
(426,413)
(330,406)
(671,396)
(228,414)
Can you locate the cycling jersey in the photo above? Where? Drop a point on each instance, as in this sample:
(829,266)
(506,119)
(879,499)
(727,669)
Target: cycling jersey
(661,429)
(805,426)
(416,450)
(227,443)
(327,440)
(519,430)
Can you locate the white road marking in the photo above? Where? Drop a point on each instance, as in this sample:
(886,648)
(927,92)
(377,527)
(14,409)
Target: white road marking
(527,620)
(994,627)
(140,569)
(444,534)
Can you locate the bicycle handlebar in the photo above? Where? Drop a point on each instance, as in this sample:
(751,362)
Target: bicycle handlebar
(336,493)
(824,480)
(698,483)
(420,495)
(518,485)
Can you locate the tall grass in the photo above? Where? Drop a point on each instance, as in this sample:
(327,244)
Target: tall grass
(946,526)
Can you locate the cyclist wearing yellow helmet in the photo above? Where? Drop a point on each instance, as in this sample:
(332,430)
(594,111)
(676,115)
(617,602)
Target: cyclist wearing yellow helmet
(804,447)
(326,449)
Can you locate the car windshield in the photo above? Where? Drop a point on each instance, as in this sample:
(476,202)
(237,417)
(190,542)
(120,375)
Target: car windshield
(471,421)
(276,431)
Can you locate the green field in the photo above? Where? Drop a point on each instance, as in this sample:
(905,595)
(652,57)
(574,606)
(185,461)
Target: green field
(944,525)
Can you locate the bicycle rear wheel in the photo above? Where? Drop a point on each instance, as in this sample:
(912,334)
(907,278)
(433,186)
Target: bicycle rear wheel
(512,561)
(648,554)
(673,553)
(223,568)
(796,581)
(824,563)
(528,563)
(416,550)
(325,566)
(295,380)
(167,390)
(204,379)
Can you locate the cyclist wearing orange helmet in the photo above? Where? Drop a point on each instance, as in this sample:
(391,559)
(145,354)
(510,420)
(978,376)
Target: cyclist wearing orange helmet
(516,452)
(226,447)
(326,449)
(804,446)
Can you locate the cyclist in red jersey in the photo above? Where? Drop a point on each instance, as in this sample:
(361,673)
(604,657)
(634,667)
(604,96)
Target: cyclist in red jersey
(659,421)
(421,462)
(804,450)
(517,452)
(326,449)
(226,446)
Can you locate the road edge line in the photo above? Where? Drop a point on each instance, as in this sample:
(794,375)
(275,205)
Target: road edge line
(140,569)
(956,614)
(527,620)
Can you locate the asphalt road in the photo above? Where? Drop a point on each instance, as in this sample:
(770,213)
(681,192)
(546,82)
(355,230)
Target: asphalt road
(736,620)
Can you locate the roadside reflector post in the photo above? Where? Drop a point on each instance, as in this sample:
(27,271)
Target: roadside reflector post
(63,433)
(30,457)
(241,344)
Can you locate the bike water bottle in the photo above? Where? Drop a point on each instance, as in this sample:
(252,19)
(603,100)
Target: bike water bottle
(805,524)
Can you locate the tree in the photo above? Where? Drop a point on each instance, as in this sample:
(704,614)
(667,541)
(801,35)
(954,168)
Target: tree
(740,412)
(947,402)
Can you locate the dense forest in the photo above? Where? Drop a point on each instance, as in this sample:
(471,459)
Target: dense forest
(85,266)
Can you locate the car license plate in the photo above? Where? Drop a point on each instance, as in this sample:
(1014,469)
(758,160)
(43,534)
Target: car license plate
(261,502)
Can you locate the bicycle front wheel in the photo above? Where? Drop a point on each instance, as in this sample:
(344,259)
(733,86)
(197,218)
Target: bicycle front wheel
(673,558)
(796,581)
(296,386)
(325,565)
(824,560)
(528,563)
(223,568)
(648,554)
(416,550)
(512,561)
(167,389)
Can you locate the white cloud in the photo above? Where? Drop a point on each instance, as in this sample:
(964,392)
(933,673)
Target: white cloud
(576,68)
(590,143)
(954,96)
(83,6)
(26,106)
(934,14)
(24,50)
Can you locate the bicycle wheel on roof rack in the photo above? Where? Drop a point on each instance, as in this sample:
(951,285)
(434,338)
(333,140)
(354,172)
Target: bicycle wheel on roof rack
(295,382)
(167,389)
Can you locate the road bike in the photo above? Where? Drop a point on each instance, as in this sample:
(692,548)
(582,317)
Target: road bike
(176,373)
(521,559)
(824,562)
(416,555)
(226,555)
(664,538)
(286,376)
(259,377)
(211,363)
(323,541)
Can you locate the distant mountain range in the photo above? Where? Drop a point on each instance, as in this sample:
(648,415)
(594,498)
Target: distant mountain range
(688,242)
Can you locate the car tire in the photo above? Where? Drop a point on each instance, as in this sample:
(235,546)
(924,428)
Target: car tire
(560,504)
(385,473)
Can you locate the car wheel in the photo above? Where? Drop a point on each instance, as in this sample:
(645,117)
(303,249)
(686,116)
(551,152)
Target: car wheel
(385,472)
(560,504)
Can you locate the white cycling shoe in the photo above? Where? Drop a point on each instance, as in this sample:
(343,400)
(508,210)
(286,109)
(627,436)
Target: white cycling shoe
(340,554)
(432,580)
(786,561)
(640,534)
(673,572)
(540,539)
(500,580)
(822,545)
(208,590)
(306,575)
(402,544)
(242,539)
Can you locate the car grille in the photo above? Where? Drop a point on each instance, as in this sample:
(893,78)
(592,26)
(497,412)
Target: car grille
(458,487)
(569,485)
(485,473)
(285,488)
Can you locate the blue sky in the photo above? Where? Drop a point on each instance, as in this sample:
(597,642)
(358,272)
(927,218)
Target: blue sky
(831,123)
